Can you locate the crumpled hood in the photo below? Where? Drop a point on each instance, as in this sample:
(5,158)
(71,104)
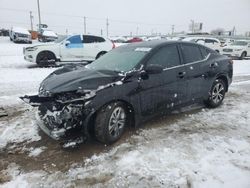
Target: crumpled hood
(72,78)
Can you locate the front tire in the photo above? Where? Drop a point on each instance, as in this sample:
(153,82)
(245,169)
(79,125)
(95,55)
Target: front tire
(217,94)
(110,122)
(45,58)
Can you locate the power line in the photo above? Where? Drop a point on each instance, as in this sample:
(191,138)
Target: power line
(94,18)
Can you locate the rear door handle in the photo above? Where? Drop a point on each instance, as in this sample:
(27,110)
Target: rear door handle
(181,74)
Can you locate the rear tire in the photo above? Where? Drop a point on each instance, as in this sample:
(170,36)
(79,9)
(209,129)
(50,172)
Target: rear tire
(217,94)
(110,122)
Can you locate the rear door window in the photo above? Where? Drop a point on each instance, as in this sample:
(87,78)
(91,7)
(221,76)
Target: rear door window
(167,57)
(92,39)
(191,53)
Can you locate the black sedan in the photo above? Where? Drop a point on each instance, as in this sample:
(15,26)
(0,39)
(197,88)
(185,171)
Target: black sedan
(129,85)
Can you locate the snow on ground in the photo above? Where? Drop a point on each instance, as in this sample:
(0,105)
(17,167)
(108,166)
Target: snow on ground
(208,148)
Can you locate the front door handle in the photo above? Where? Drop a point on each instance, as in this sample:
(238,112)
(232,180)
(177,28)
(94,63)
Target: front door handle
(181,74)
(213,65)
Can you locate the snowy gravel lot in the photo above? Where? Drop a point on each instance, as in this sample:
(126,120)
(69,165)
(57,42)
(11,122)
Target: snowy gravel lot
(197,147)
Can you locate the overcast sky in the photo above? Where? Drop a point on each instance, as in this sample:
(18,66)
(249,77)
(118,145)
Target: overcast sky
(125,16)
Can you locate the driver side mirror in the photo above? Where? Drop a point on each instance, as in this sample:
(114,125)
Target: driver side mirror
(67,43)
(154,69)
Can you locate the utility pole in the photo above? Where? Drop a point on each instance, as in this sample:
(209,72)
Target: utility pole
(39,15)
(85,26)
(234,31)
(173,29)
(101,32)
(107,24)
(192,26)
(137,30)
(31,21)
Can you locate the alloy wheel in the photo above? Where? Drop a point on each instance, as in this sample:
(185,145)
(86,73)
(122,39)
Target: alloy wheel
(218,93)
(117,121)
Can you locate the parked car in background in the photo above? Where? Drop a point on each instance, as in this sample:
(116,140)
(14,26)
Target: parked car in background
(74,48)
(18,34)
(128,86)
(118,39)
(226,41)
(47,36)
(153,38)
(239,49)
(212,43)
(135,39)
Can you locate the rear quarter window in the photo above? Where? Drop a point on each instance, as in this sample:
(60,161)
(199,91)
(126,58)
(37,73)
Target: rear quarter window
(92,39)
(191,53)
(204,52)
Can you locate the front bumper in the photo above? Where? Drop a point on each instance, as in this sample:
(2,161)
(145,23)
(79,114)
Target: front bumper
(54,134)
(29,56)
(58,120)
(22,39)
(232,54)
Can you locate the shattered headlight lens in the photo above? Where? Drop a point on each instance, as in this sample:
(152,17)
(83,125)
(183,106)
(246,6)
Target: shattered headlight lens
(75,96)
(44,93)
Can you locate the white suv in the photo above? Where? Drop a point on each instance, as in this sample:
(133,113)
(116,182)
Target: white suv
(212,43)
(68,49)
(238,49)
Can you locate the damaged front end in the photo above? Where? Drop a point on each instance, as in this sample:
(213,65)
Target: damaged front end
(62,115)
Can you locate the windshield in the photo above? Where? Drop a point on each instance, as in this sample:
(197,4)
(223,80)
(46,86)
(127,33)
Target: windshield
(239,43)
(122,59)
(60,39)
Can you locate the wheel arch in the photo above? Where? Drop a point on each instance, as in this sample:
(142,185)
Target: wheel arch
(244,52)
(225,80)
(48,51)
(101,52)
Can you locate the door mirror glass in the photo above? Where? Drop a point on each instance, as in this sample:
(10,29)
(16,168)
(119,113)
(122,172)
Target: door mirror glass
(154,69)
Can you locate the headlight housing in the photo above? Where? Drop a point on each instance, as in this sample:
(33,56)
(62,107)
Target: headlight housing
(44,93)
(31,49)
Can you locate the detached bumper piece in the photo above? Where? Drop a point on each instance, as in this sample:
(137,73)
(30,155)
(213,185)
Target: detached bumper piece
(59,121)
(35,100)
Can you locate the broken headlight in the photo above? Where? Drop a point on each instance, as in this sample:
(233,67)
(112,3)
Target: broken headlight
(43,92)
